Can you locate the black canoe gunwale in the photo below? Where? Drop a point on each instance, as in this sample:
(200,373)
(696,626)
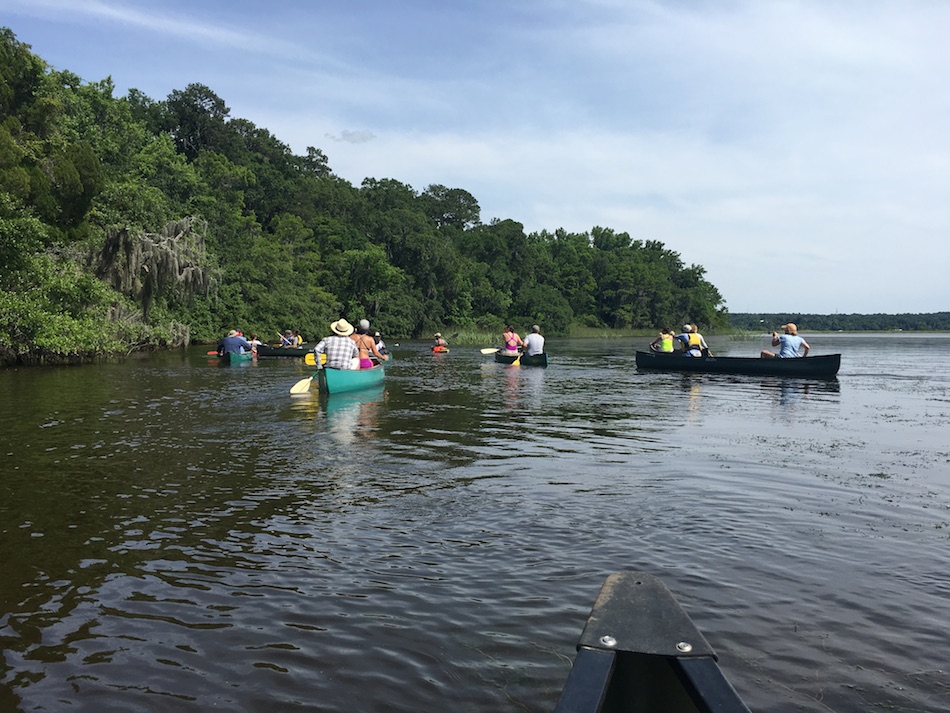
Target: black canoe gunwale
(640,652)
(266,350)
(821,367)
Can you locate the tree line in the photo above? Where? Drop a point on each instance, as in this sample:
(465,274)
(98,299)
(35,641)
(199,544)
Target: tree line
(930,322)
(131,223)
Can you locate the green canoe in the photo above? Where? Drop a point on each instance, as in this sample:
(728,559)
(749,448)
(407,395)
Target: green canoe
(234,358)
(335,381)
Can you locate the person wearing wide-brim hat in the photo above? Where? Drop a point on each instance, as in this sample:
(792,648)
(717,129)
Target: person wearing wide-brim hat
(339,348)
(234,343)
(789,343)
(440,342)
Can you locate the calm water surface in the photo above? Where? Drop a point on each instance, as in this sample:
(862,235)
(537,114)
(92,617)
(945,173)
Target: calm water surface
(176,536)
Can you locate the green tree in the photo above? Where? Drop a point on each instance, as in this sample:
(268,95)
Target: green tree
(196,118)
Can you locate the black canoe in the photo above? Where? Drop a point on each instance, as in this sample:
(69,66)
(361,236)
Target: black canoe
(266,350)
(815,366)
(641,652)
(536,360)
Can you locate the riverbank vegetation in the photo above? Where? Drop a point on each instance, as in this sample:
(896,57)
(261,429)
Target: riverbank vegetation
(930,322)
(130,223)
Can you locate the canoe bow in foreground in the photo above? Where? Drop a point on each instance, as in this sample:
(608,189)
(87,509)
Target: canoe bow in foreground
(823,366)
(536,360)
(334,381)
(641,652)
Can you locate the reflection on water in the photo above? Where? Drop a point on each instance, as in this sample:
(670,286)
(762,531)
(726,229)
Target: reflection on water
(176,537)
(352,416)
(790,394)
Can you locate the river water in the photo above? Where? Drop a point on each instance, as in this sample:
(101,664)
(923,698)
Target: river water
(178,536)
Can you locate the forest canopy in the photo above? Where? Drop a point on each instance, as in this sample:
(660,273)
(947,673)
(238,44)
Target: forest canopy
(131,223)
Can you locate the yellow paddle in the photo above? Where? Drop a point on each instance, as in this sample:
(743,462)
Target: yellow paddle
(302,386)
(311,360)
(517,362)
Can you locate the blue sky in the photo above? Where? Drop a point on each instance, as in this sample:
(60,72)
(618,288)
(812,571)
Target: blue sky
(799,151)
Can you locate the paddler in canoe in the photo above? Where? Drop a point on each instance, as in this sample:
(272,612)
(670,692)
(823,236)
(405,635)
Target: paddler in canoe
(510,341)
(341,352)
(693,342)
(789,343)
(664,341)
(534,342)
(366,344)
(233,344)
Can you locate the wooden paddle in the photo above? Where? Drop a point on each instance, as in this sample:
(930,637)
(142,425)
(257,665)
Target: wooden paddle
(302,386)
(489,350)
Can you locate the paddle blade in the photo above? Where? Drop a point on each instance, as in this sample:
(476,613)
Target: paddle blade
(310,359)
(517,362)
(489,350)
(302,386)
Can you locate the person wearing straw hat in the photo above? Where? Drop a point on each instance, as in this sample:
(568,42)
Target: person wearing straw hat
(338,347)
(789,343)
(233,344)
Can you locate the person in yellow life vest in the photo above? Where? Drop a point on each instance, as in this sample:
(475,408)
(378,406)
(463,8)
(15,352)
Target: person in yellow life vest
(664,341)
(693,342)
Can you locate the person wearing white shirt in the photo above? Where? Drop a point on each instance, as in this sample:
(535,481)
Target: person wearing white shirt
(534,342)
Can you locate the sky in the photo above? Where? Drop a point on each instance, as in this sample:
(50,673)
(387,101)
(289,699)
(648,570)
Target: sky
(798,150)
